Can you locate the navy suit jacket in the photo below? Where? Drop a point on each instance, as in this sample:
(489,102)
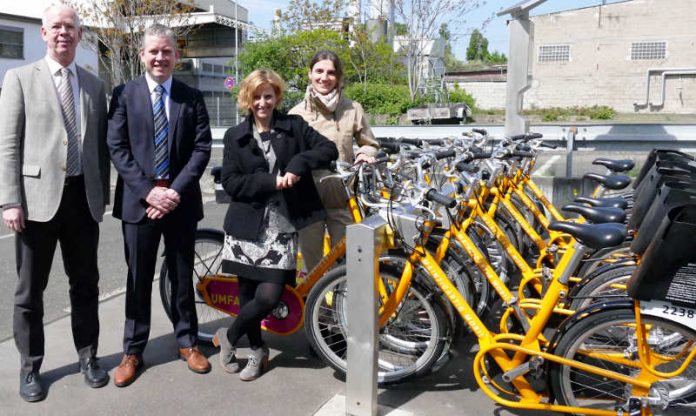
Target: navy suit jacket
(131,144)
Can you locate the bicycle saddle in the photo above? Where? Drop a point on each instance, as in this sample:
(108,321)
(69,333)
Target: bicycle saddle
(615,165)
(595,236)
(614,182)
(613,202)
(597,215)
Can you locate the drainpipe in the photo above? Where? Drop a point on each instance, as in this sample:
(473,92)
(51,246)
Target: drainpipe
(664,83)
(647,88)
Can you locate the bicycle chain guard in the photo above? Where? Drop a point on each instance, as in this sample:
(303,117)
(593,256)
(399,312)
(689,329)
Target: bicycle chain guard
(222,293)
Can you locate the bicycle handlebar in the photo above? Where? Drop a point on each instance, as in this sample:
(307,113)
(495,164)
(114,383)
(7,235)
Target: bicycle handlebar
(442,199)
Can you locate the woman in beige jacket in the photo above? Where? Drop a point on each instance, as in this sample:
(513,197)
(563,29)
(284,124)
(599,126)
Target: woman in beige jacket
(343,122)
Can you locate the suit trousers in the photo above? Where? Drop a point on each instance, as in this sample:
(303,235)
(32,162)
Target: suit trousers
(141,242)
(312,237)
(78,234)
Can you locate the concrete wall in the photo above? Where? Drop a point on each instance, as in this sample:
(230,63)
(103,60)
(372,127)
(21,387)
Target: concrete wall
(601,71)
(488,94)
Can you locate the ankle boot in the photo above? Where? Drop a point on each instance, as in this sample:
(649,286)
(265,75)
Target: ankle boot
(258,361)
(228,360)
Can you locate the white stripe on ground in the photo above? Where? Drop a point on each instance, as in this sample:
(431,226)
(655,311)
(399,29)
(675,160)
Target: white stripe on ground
(542,171)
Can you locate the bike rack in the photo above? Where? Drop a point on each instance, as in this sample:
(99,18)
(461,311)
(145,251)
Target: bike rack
(364,243)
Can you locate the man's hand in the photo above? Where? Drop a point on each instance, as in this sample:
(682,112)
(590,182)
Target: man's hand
(153,213)
(286,181)
(163,199)
(14,218)
(363,158)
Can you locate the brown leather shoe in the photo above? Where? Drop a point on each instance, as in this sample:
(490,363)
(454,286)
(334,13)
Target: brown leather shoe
(195,359)
(127,371)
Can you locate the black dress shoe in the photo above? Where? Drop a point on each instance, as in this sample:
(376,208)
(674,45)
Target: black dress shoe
(95,376)
(30,388)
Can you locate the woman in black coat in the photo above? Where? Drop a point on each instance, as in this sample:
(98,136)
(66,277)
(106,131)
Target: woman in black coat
(266,170)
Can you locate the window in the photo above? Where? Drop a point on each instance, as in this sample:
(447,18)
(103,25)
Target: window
(648,50)
(11,42)
(207,67)
(554,53)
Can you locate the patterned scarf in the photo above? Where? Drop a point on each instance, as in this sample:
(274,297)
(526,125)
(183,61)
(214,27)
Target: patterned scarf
(327,102)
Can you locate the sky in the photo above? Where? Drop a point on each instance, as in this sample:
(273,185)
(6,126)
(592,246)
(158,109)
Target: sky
(261,14)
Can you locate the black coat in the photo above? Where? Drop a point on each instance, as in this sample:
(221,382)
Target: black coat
(246,178)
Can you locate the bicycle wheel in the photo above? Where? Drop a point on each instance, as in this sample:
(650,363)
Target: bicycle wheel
(207,261)
(599,287)
(610,336)
(410,343)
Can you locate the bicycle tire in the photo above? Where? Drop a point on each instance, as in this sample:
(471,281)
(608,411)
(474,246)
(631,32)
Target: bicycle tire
(598,288)
(612,331)
(402,355)
(207,260)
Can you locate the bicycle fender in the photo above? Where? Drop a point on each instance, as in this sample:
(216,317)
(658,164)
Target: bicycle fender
(583,313)
(600,270)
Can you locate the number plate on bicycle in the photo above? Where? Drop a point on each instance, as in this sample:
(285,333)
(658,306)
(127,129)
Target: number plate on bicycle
(685,316)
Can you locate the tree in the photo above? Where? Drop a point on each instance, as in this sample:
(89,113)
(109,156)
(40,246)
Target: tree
(478,50)
(451,60)
(302,15)
(478,47)
(422,20)
(117,28)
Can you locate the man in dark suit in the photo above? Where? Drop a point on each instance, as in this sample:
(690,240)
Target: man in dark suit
(54,184)
(159,139)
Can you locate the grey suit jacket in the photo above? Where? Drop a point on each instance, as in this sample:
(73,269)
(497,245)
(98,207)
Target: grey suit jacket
(33,142)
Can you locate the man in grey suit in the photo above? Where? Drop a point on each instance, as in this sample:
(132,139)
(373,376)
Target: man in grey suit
(54,185)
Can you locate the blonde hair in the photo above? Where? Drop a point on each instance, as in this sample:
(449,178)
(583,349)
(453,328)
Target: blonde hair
(251,84)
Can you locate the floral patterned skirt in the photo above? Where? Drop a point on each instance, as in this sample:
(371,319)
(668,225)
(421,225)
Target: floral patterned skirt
(272,257)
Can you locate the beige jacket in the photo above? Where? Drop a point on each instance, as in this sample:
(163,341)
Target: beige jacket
(33,142)
(342,127)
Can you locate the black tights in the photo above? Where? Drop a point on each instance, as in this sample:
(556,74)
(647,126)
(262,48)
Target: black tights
(256,301)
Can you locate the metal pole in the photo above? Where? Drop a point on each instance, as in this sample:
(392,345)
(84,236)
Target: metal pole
(236,61)
(217,108)
(518,74)
(570,146)
(364,243)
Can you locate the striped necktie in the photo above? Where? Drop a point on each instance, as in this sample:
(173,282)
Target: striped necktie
(67,106)
(161,134)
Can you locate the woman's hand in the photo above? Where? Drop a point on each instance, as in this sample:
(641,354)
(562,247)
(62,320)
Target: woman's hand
(363,158)
(286,181)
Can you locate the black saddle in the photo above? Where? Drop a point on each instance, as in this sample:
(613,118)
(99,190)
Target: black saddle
(615,165)
(612,202)
(597,215)
(595,236)
(614,182)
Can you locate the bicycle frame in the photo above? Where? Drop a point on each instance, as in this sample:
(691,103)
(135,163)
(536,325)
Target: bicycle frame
(529,345)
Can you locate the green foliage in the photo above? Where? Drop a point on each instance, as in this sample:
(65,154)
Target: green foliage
(496,58)
(478,47)
(459,95)
(290,54)
(601,112)
(381,98)
(451,61)
(478,51)
(597,112)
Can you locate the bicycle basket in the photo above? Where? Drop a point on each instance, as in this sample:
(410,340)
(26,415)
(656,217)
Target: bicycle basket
(667,271)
